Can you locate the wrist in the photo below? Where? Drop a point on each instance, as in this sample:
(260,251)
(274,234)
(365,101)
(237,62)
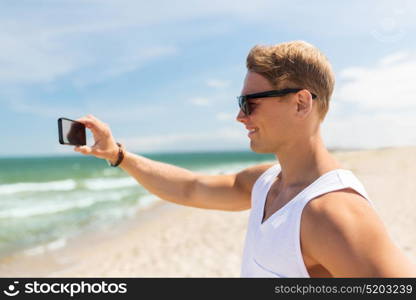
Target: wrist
(117,156)
(114,155)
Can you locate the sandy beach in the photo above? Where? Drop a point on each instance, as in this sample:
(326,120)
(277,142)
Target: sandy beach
(169,240)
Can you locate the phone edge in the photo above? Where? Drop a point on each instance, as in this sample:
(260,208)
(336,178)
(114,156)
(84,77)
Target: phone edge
(61,140)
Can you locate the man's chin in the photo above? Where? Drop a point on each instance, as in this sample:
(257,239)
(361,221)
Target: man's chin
(258,149)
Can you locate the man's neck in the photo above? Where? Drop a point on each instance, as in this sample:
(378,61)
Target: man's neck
(303,162)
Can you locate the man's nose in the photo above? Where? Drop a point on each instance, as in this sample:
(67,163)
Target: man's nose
(241,117)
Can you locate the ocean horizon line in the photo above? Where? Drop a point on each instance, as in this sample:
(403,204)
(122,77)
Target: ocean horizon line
(170,152)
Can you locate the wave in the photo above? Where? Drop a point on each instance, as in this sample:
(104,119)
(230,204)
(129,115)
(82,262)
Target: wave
(229,168)
(57,207)
(61,185)
(147,201)
(67,185)
(54,245)
(109,183)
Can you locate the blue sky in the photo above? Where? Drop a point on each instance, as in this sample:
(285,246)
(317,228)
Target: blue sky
(164,74)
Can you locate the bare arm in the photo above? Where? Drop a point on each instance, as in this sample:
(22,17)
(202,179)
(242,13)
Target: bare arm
(172,183)
(224,192)
(345,235)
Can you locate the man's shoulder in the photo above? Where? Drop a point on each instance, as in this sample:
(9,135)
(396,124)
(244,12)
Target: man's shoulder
(259,168)
(344,234)
(254,172)
(339,216)
(337,207)
(249,176)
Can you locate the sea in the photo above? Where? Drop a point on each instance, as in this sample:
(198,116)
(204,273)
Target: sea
(47,200)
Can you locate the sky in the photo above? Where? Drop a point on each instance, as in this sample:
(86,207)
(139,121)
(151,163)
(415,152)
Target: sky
(164,75)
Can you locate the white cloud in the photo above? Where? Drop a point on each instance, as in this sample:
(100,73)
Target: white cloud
(199,101)
(374,106)
(35,59)
(388,85)
(224,138)
(394,58)
(39,109)
(32,59)
(131,60)
(217,83)
(85,40)
(133,113)
(100,108)
(370,131)
(41,43)
(223,116)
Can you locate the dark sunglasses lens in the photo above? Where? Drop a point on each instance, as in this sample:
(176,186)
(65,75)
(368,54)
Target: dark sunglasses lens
(243,104)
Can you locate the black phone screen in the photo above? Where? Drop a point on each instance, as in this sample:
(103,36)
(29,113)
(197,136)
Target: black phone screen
(71,132)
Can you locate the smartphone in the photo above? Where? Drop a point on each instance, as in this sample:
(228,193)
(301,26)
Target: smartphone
(71,132)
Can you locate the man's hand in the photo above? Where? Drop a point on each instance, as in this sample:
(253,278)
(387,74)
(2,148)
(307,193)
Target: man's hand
(105,146)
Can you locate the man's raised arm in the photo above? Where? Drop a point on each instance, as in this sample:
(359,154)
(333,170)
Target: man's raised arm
(225,192)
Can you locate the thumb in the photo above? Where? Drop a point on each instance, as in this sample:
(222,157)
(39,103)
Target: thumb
(83,149)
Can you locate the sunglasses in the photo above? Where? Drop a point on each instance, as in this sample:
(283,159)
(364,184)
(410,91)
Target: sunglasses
(244,103)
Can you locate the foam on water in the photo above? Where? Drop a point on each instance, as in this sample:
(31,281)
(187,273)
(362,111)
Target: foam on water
(229,168)
(105,183)
(109,183)
(54,245)
(147,200)
(61,185)
(53,207)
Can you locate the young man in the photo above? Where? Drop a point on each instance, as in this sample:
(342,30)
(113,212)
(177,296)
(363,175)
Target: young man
(309,217)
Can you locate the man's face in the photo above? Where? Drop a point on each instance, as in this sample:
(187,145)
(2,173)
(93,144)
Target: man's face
(271,122)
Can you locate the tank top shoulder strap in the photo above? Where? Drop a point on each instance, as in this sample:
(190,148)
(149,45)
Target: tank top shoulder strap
(263,183)
(336,180)
(268,175)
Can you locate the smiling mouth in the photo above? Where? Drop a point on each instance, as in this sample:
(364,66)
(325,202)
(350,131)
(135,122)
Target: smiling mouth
(252,131)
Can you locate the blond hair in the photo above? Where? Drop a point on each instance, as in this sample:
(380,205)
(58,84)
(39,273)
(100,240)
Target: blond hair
(297,63)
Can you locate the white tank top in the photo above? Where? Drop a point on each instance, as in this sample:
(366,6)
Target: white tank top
(272,248)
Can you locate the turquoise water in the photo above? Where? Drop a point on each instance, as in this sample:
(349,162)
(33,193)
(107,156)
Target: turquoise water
(48,199)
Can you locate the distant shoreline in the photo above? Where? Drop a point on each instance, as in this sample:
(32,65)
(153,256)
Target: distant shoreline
(149,154)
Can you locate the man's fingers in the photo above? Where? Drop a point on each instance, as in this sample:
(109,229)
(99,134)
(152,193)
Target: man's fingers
(87,122)
(83,149)
(92,123)
(102,137)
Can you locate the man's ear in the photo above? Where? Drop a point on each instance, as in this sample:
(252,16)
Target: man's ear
(304,104)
